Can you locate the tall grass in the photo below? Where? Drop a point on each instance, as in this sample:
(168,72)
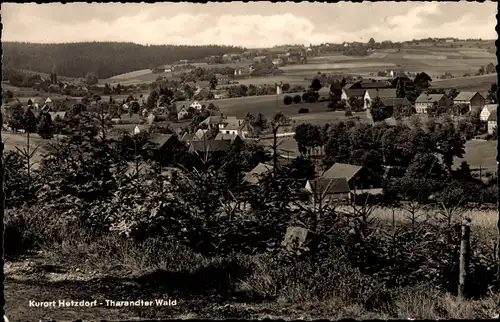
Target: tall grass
(330,284)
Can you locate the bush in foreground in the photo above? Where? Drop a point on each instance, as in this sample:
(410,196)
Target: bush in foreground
(303,110)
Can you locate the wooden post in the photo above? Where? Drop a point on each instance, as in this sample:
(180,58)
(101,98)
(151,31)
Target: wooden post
(464,258)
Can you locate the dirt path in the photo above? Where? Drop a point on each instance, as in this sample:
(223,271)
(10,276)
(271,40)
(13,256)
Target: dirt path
(30,279)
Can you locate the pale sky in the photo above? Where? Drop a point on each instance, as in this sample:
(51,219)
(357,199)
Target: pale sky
(254,24)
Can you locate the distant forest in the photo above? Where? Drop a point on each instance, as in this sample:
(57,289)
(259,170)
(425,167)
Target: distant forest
(106,59)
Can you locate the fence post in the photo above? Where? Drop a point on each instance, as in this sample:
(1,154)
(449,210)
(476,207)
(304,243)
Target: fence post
(464,258)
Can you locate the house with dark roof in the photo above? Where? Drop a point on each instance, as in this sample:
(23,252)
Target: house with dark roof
(473,100)
(60,104)
(326,190)
(358,177)
(209,148)
(487,110)
(213,121)
(396,101)
(371,85)
(255,175)
(164,146)
(347,94)
(492,122)
(370,94)
(222,136)
(424,101)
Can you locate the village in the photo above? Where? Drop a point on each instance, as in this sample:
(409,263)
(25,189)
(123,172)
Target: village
(296,173)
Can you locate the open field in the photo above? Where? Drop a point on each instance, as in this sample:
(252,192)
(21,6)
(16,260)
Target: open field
(473,83)
(480,154)
(434,60)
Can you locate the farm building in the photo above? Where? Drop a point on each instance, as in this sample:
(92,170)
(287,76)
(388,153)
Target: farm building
(371,85)
(222,79)
(348,93)
(60,104)
(392,102)
(424,101)
(473,100)
(326,190)
(213,121)
(232,125)
(199,135)
(55,115)
(492,122)
(487,110)
(370,94)
(254,176)
(209,148)
(182,114)
(196,105)
(358,177)
(164,145)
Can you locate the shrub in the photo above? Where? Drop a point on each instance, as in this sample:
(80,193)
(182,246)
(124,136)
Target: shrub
(303,110)
(348,113)
(162,118)
(297,99)
(311,99)
(287,100)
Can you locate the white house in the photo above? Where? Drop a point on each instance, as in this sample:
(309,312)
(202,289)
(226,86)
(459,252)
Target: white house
(487,110)
(370,94)
(424,101)
(348,93)
(196,105)
(232,125)
(492,122)
(473,100)
(182,114)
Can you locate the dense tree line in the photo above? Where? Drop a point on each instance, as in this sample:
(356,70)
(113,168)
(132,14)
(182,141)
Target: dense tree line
(421,159)
(106,59)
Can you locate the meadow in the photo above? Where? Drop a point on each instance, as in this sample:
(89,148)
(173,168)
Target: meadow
(472,83)
(479,153)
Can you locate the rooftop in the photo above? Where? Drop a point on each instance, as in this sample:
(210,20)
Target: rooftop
(328,186)
(382,92)
(342,170)
(255,174)
(429,98)
(465,96)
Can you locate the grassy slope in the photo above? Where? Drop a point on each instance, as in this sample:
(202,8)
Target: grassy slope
(435,60)
(473,83)
(480,154)
(198,283)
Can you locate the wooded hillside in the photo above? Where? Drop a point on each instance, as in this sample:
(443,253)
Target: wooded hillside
(104,58)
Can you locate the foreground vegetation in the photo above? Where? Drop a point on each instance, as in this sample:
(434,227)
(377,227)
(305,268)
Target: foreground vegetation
(186,227)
